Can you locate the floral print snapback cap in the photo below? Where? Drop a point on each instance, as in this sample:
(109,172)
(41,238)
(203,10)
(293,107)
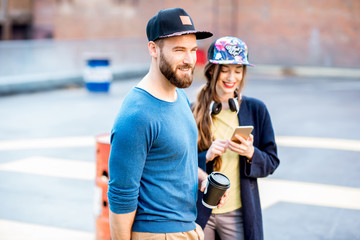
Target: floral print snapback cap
(229,50)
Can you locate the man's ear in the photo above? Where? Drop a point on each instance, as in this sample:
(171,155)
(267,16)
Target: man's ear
(153,49)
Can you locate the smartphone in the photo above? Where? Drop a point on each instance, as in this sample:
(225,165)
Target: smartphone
(243,131)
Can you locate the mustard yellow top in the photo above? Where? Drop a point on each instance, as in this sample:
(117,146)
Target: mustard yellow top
(223,127)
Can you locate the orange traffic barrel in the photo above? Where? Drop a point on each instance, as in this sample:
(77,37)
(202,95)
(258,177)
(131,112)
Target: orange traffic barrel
(102,228)
(102,200)
(101,187)
(102,156)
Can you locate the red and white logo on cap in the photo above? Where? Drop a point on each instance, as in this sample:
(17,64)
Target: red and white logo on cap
(185,20)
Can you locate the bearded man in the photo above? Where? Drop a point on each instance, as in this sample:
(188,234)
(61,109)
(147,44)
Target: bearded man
(153,164)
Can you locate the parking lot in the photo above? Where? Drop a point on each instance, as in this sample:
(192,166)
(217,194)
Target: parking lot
(47,158)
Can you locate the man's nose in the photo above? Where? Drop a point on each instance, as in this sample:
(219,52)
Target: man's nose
(190,58)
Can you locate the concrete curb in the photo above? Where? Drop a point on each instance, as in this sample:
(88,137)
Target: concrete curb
(37,82)
(300,71)
(43,82)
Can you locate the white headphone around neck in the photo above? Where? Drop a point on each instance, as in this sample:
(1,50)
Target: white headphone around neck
(215,107)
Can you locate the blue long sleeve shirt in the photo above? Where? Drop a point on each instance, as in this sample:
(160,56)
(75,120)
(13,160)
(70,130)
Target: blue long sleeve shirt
(153,163)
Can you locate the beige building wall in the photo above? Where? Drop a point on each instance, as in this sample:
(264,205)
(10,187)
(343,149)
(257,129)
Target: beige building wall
(15,14)
(307,32)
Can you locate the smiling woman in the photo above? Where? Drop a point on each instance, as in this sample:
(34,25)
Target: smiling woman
(229,80)
(241,160)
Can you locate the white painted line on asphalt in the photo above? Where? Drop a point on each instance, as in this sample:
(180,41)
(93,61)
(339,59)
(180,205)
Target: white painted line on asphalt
(23,144)
(310,142)
(10,230)
(52,167)
(275,190)
(89,141)
(272,190)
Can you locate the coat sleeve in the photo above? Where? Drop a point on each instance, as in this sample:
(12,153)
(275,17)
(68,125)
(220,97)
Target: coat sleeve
(265,159)
(203,212)
(202,160)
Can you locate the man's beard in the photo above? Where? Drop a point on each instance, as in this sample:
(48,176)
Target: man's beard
(170,74)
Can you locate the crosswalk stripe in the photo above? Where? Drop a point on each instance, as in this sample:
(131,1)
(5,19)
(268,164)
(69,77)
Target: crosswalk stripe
(12,230)
(276,190)
(43,143)
(311,142)
(272,190)
(89,141)
(53,167)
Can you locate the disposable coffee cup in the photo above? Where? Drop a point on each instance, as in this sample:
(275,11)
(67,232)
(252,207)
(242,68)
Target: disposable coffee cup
(216,187)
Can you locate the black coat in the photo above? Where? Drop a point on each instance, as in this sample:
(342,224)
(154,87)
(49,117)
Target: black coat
(264,162)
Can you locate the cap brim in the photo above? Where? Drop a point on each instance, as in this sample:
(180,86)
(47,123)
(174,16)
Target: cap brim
(203,34)
(198,34)
(231,62)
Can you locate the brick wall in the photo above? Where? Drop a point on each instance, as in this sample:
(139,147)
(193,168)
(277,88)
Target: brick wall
(320,32)
(43,20)
(285,32)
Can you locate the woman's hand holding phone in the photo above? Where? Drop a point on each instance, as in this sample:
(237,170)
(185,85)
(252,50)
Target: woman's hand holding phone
(242,146)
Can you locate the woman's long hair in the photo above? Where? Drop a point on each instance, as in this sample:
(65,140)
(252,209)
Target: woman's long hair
(201,108)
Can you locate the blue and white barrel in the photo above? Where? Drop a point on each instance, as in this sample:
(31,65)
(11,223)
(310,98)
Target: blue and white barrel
(97,74)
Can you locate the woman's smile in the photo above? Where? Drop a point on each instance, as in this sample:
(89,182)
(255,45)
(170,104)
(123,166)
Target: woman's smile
(229,84)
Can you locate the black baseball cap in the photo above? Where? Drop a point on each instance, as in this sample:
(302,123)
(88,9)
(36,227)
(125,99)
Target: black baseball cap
(172,22)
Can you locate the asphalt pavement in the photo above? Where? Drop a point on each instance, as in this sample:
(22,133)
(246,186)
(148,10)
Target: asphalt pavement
(47,158)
